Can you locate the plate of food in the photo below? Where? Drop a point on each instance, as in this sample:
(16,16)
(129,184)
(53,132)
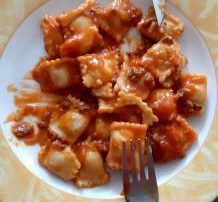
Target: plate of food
(81,77)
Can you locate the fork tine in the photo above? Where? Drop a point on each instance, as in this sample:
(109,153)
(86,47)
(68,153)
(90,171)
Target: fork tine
(151,171)
(133,162)
(125,171)
(141,162)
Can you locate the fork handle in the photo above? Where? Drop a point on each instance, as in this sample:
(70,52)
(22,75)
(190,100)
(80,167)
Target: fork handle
(139,199)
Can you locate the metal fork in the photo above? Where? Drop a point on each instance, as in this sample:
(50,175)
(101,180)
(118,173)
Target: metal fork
(144,189)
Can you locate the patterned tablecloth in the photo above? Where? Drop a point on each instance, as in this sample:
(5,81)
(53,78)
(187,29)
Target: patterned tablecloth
(198,182)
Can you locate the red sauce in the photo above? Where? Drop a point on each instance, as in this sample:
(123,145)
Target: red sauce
(39,112)
(45,106)
(170,140)
(22,129)
(163,103)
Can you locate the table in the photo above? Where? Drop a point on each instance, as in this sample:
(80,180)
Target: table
(198,182)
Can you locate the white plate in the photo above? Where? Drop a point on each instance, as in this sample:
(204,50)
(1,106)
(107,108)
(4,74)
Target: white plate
(24,50)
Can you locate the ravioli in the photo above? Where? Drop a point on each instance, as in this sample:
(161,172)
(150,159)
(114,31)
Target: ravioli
(92,172)
(70,126)
(171,25)
(125,132)
(57,74)
(165,61)
(192,94)
(60,161)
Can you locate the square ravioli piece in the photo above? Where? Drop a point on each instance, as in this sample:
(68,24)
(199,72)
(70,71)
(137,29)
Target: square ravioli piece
(125,132)
(125,100)
(165,61)
(70,126)
(171,26)
(57,74)
(59,159)
(99,128)
(92,172)
(105,91)
(53,37)
(171,140)
(98,69)
(107,105)
(134,43)
(81,43)
(192,94)
(77,20)
(69,17)
(117,18)
(163,102)
(135,79)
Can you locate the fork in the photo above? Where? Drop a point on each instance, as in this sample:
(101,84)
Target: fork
(142,189)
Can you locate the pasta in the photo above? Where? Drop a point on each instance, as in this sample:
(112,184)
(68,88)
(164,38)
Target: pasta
(147,114)
(77,26)
(164,61)
(57,74)
(111,75)
(105,91)
(107,105)
(92,172)
(67,18)
(101,128)
(171,139)
(163,102)
(135,79)
(192,94)
(82,43)
(69,126)
(171,26)
(134,43)
(60,160)
(53,36)
(124,132)
(98,69)
(117,18)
